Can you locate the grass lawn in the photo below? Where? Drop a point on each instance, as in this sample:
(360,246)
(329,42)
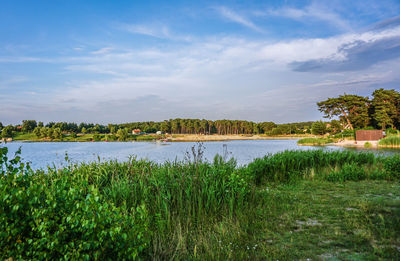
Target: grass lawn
(25,136)
(312,220)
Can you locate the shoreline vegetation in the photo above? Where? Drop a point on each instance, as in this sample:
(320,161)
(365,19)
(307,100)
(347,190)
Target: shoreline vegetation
(293,205)
(392,141)
(154,137)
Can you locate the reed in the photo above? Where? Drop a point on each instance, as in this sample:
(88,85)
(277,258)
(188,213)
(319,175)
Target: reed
(139,208)
(390,141)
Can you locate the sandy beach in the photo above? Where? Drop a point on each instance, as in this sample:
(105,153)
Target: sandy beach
(194,137)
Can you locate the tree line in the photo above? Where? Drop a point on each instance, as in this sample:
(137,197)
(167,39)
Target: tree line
(346,111)
(54,130)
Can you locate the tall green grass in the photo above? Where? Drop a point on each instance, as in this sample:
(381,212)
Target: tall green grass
(141,209)
(390,141)
(289,165)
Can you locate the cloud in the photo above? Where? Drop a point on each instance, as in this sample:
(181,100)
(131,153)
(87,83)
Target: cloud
(213,77)
(235,17)
(355,55)
(388,23)
(103,50)
(158,31)
(313,11)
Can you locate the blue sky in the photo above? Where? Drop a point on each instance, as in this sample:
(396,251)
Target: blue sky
(124,61)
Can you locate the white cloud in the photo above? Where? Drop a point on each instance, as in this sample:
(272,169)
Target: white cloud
(235,17)
(313,11)
(103,50)
(214,78)
(158,31)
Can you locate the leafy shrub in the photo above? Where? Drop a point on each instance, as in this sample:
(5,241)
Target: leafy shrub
(349,172)
(52,216)
(392,166)
(391,131)
(367,145)
(97,137)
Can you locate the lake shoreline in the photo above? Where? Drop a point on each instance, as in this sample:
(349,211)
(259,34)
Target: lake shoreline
(179,138)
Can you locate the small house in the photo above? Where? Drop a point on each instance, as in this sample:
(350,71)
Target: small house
(369,135)
(136,132)
(159,132)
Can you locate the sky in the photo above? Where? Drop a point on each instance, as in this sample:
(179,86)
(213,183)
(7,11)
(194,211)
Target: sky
(127,61)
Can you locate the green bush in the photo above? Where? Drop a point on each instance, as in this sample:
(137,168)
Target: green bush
(392,166)
(52,217)
(367,145)
(97,137)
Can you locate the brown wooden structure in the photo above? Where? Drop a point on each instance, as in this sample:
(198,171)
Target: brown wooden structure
(362,135)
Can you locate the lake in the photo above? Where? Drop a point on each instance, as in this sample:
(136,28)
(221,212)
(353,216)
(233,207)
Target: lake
(42,154)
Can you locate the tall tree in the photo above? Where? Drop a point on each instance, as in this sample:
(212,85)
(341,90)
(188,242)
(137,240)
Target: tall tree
(28,125)
(385,106)
(318,128)
(351,108)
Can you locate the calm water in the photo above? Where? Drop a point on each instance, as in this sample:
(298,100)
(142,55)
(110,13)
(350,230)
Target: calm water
(42,154)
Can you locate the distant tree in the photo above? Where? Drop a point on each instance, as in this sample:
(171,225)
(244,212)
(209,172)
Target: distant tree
(50,133)
(28,125)
(43,132)
(57,133)
(318,128)
(276,131)
(385,108)
(73,135)
(112,128)
(122,134)
(1,126)
(267,126)
(40,124)
(351,108)
(165,126)
(50,124)
(7,131)
(335,127)
(37,132)
(84,130)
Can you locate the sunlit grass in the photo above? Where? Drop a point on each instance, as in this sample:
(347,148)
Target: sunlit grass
(315,141)
(390,141)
